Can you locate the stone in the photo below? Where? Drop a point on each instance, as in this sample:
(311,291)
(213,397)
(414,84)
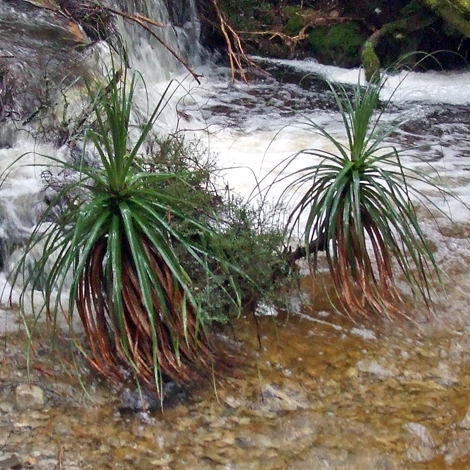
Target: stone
(446,375)
(29,397)
(277,398)
(457,448)
(422,447)
(352,372)
(465,423)
(47,464)
(374,368)
(9,461)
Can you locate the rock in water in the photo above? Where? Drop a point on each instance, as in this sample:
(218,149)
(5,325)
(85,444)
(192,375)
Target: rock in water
(29,397)
(422,447)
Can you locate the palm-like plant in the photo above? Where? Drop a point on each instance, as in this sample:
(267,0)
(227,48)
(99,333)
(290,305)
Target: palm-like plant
(115,250)
(357,202)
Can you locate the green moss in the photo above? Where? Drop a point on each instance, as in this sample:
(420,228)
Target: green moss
(293,26)
(295,19)
(370,60)
(456,13)
(412,8)
(339,44)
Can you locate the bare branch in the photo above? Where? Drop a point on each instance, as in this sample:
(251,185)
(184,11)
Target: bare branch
(236,53)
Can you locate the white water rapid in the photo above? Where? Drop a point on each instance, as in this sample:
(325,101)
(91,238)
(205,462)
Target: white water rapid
(253,127)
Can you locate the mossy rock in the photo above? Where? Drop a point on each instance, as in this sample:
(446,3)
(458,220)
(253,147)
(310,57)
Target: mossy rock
(370,60)
(456,13)
(339,44)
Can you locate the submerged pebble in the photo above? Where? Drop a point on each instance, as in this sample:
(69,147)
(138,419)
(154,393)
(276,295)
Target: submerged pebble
(29,397)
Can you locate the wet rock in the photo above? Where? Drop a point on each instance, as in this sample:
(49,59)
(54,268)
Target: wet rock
(62,425)
(47,464)
(419,454)
(29,397)
(63,393)
(341,459)
(4,435)
(458,448)
(31,420)
(420,434)
(256,441)
(459,348)
(8,460)
(162,461)
(134,400)
(233,402)
(421,444)
(445,375)
(376,369)
(220,456)
(6,408)
(465,423)
(137,400)
(321,458)
(295,431)
(352,373)
(279,398)
(253,465)
(301,426)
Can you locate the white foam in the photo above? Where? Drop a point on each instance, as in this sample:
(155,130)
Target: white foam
(449,87)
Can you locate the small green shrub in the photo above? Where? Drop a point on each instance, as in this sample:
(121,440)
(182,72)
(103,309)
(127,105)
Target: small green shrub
(250,237)
(251,240)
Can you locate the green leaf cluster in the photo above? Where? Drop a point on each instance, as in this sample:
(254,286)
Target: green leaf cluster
(359,205)
(116,252)
(145,248)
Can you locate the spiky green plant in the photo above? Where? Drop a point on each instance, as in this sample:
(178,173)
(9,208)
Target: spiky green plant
(358,203)
(114,250)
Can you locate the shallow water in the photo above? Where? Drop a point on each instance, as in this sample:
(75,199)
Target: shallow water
(321,392)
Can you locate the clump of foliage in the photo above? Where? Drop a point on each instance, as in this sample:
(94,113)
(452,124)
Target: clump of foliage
(250,237)
(358,202)
(146,249)
(113,252)
(295,22)
(252,242)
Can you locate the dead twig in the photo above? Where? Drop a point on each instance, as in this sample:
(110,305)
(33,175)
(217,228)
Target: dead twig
(53,6)
(302,251)
(236,53)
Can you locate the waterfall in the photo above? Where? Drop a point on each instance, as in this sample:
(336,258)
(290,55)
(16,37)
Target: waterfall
(41,60)
(180,31)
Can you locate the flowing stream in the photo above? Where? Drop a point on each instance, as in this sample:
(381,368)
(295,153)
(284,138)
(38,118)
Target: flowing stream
(321,392)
